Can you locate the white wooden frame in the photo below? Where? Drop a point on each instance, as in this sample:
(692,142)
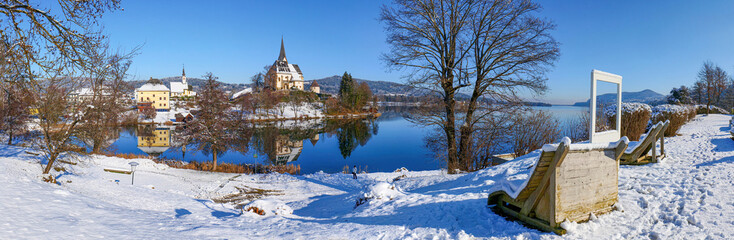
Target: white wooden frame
(611,135)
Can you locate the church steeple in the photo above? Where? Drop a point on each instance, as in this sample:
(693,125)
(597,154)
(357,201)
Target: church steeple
(282,51)
(183,75)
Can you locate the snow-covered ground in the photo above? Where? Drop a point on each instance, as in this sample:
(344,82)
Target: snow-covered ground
(689,195)
(286,111)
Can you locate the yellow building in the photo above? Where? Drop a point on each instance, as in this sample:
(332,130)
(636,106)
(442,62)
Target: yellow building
(282,75)
(153,140)
(155,93)
(182,89)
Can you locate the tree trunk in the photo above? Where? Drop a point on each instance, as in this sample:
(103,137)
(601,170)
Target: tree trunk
(466,130)
(450,129)
(215,161)
(51,160)
(96,146)
(10,137)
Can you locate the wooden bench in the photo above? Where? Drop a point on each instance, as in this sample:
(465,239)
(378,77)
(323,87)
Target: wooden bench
(639,155)
(118,171)
(568,183)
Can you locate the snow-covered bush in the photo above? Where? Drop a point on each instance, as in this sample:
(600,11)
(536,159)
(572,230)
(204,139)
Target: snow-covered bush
(676,114)
(381,191)
(634,118)
(691,109)
(701,109)
(268,207)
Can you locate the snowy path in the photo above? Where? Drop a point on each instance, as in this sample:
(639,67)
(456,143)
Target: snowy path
(686,196)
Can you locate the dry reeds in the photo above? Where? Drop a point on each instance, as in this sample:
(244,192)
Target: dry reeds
(125,155)
(635,117)
(233,168)
(677,115)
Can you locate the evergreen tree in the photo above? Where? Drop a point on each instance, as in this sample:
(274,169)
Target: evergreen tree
(346,87)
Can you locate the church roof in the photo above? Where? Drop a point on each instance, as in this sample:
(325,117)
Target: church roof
(314,84)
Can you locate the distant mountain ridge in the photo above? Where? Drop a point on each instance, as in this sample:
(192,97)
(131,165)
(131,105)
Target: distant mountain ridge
(196,83)
(644,96)
(331,84)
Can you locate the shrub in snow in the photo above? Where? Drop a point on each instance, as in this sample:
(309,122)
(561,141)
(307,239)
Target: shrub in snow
(676,114)
(381,191)
(691,109)
(634,118)
(402,169)
(701,109)
(268,207)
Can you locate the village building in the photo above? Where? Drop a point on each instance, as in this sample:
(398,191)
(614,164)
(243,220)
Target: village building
(283,75)
(315,87)
(182,89)
(153,94)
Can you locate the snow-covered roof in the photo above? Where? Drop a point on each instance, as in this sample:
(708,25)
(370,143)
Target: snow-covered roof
(178,87)
(240,93)
(149,87)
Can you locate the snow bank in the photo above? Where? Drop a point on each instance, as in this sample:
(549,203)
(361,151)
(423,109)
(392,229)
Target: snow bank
(381,191)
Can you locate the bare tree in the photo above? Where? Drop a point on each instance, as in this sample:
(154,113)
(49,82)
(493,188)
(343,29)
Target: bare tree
(51,52)
(712,81)
(15,97)
(429,37)
(59,112)
(258,82)
(531,131)
(492,48)
(104,93)
(212,128)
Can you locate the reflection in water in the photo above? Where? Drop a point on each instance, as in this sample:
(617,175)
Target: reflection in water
(334,143)
(283,143)
(153,140)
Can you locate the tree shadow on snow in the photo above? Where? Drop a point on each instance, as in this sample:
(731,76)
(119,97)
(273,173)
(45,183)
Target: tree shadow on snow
(723,144)
(222,215)
(472,216)
(180,212)
(729,159)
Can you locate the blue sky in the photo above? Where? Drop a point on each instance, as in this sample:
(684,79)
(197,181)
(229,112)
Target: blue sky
(653,44)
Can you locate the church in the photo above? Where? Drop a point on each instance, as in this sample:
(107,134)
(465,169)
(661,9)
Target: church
(182,89)
(283,75)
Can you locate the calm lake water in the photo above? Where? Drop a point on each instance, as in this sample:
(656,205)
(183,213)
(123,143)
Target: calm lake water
(379,145)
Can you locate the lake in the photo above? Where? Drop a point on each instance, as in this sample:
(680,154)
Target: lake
(383,144)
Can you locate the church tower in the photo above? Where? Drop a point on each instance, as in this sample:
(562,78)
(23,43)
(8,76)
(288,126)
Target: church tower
(183,75)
